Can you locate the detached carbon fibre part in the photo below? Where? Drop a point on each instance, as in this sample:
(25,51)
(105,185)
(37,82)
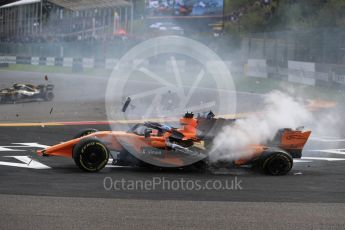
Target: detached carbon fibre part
(126,104)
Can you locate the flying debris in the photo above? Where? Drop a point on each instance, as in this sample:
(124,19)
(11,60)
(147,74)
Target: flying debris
(126,104)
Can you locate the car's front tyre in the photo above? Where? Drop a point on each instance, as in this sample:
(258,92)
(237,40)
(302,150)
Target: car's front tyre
(91,155)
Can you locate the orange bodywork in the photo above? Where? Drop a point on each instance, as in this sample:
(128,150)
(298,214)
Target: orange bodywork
(188,128)
(294,140)
(255,151)
(110,138)
(289,140)
(65,149)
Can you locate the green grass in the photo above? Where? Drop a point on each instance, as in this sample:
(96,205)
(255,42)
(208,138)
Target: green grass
(54,69)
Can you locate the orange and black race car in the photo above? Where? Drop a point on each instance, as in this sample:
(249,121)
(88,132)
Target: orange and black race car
(154,144)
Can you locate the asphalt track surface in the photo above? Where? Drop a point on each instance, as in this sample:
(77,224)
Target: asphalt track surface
(42,193)
(310,197)
(82,98)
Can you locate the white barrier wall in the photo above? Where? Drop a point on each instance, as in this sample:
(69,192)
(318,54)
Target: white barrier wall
(8,59)
(257,68)
(301,72)
(50,61)
(88,62)
(298,72)
(67,62)
(35,61)
(339,78)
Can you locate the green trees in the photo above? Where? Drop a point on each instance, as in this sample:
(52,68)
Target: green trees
(310,14)
(284,15)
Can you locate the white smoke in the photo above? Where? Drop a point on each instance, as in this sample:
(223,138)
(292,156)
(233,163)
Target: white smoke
(329,124)
(280,111)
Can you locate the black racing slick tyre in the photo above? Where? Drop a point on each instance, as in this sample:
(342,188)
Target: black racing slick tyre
(276,163)
(90,155)
(48,96)
(84,133)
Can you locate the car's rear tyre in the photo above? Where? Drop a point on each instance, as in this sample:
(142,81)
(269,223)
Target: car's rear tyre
(85,132)
(277,163)
(48,96)
(90,155)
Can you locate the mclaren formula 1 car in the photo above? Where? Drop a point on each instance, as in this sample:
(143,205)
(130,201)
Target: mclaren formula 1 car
(154,144)
(23,92)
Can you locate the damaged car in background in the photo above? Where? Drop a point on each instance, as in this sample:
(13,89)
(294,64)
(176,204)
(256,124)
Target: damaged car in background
(26,92)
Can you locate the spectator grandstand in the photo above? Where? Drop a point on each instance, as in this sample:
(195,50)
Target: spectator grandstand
(65,20)
(108,28)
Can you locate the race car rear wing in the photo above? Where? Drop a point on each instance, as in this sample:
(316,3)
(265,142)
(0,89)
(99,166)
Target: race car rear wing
(292,141)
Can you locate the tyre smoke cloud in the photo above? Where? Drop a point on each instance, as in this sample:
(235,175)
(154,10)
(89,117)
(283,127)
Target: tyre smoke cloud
(279,111)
